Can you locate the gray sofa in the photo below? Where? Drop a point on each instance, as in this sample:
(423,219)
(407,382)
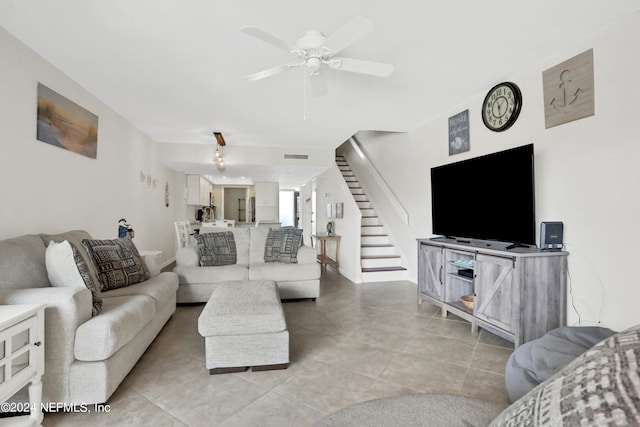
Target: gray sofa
(296,280)
(86,357)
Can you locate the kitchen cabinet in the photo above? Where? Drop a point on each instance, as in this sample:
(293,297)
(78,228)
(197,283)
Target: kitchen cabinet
(198,191)
(267,201)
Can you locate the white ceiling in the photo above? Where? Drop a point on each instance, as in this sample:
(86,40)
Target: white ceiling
(174,68)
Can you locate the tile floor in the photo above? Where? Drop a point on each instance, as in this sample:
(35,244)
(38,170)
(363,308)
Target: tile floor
(355,343)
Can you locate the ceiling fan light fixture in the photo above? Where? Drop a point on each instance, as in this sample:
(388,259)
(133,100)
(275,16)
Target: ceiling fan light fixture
(314,49)
(313,65)
(220,139)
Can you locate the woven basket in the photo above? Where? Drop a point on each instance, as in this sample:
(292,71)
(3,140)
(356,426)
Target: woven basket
(467,301)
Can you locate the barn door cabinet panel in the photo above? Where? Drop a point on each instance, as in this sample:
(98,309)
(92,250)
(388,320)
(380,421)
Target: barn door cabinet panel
(495,297)
(430,272)
(520,294)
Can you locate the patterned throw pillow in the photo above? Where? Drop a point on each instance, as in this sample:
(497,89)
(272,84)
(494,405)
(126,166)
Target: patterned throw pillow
(600,387)
(67,268)
(282,245)
(216,249)
(94,287)
(117,261)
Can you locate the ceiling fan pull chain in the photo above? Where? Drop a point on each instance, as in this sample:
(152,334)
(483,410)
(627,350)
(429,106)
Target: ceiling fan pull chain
(304,94)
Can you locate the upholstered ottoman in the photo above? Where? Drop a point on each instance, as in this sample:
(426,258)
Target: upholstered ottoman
(537,360)
(244,326)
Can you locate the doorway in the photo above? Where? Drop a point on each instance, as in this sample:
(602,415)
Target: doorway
(287,208)
(308,208)
(236,204)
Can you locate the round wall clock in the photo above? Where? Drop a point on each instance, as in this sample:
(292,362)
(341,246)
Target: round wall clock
(501,106)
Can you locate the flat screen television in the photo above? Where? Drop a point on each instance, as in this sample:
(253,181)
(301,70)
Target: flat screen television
(491,197)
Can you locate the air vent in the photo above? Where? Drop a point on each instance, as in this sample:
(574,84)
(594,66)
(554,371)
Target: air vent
(296,156)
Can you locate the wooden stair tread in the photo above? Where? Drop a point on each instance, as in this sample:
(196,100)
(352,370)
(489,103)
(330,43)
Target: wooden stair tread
(375,235)
(381,245)
(379,256)
(378,269)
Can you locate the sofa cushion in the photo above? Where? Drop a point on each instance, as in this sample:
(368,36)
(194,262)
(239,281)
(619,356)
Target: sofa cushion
(307,254)
(282,245)
(241,236)
(117,261)
(600,387)
(188,257)
(281,272)
(22,263)
(121,319)
(256,247)
(216,249)
(162,288)
(193,275)
(75,237)
(67,268)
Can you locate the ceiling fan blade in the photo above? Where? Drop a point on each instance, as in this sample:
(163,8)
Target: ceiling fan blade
(318,84)
(267,73)
(378,69)
(349,33)
(268,38)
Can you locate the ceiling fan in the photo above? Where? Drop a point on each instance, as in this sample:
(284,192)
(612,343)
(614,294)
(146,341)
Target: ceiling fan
(313,50)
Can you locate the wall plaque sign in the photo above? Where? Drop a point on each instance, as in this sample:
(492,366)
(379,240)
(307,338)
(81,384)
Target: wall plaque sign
(569,90)
(459,133)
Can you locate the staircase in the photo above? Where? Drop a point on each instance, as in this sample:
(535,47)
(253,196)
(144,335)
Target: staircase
(379,258)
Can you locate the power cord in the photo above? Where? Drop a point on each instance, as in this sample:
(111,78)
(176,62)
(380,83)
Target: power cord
(573,303)
(598,279)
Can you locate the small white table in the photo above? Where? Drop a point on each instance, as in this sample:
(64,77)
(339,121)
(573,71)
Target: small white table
(22,360)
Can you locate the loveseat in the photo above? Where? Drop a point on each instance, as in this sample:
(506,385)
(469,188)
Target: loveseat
(300,279)
(92,338)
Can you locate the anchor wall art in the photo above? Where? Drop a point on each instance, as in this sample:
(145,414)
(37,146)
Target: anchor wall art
(569,90)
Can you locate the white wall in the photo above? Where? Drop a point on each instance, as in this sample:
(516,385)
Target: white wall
(45,189)
(331,188)
(587,173)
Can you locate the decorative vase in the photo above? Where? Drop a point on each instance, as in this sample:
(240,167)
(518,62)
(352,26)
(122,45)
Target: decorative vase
(330,228)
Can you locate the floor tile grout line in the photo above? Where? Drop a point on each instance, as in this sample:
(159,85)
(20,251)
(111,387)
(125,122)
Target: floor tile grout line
(344,328)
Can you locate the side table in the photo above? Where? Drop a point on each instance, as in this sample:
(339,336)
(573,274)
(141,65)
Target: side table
(22,360)
(323,258)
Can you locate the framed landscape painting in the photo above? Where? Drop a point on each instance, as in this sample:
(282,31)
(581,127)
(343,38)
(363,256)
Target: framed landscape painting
(65,124)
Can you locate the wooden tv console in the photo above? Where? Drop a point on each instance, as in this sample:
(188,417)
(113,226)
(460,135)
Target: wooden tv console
(520,294)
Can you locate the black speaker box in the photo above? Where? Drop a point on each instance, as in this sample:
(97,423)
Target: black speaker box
(551,236)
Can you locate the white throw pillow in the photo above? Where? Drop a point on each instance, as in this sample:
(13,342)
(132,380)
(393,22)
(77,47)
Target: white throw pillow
(61,266)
